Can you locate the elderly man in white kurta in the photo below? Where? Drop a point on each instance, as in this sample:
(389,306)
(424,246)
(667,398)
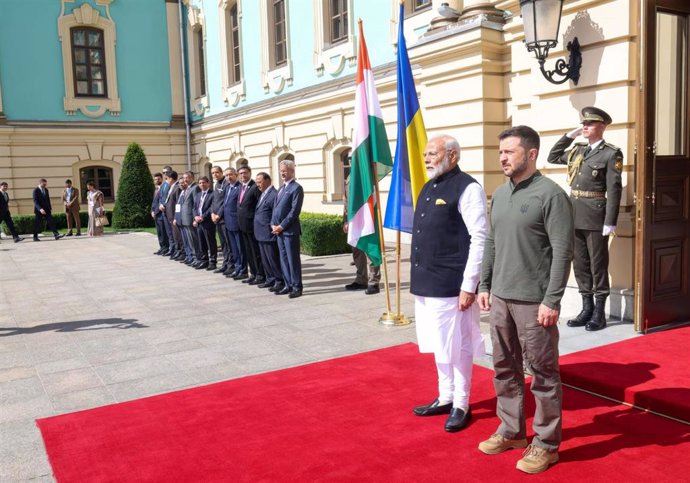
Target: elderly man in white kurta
(447,247)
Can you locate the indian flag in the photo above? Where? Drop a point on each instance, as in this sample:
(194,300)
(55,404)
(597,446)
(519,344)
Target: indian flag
(370,145)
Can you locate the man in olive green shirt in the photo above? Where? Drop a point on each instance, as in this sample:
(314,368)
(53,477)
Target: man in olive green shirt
(525,268)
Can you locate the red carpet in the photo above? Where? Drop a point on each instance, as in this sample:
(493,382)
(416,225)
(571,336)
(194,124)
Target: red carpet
(652,372)
(346,419)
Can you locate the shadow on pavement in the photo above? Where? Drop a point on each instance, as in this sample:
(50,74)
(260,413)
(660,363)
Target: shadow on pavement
(112,323)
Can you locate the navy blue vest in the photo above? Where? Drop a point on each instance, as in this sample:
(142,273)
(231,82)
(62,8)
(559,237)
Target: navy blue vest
(440,240)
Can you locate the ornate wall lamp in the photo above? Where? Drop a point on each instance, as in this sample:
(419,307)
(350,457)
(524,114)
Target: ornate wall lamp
(542,18)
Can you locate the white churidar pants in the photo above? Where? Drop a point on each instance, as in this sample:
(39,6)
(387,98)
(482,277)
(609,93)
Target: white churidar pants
(454,338)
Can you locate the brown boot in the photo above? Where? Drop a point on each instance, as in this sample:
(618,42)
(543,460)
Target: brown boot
(536,459)
(498,444)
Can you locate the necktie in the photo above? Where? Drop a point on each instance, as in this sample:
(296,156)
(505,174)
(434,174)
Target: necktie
(244,188)
(588,150)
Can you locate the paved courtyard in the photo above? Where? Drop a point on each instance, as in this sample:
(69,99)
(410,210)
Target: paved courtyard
(87,322)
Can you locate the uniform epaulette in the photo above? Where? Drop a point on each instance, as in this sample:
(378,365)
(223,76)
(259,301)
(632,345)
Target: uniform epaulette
(612,146)
(581,143)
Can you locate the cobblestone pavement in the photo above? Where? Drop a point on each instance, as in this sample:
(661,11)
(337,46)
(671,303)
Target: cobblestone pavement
(87,322)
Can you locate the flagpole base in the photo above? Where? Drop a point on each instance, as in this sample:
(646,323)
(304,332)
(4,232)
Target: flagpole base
(390,319)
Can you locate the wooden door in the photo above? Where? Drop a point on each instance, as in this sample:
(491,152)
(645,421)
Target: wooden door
(663,168)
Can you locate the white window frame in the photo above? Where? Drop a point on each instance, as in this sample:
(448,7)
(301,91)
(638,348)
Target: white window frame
(232,93)
(87,16)
(276,79)
(195,21)
(333,58)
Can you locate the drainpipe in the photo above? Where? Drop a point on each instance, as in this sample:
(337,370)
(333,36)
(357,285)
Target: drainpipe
(185,95)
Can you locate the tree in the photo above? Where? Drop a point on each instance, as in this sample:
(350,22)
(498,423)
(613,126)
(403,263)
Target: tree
(135,192)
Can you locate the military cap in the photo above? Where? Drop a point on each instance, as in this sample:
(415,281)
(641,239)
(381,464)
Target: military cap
(592,113)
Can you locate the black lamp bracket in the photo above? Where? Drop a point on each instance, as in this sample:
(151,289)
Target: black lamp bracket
(565,71)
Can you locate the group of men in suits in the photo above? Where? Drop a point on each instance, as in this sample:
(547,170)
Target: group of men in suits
(257,224)
(43,209)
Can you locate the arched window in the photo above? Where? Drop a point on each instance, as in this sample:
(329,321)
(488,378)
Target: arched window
(88,62)
(102,176)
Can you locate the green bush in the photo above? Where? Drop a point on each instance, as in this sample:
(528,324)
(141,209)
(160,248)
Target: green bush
(323,234)
(25,223)
(135,191)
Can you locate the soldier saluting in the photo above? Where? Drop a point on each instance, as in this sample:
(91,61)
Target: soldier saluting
(594,175)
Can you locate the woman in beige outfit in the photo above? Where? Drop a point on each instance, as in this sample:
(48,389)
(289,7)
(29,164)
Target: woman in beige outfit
(96,209)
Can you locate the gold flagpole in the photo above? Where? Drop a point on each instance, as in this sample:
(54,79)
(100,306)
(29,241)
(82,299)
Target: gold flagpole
(388,318)
(400,318)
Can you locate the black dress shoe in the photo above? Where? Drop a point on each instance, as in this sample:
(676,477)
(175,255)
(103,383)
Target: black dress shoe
(57,237)
(18,239)
(257,281)
(276,288)
(355,286)
(219,270)
(295,293)
(283,291)
(372,289)
(265,285)
(433,409)
(240,276)
(249,280)
(36,238)
(201,265)
(78,234)
(69,234)
(457,420)
(211,266)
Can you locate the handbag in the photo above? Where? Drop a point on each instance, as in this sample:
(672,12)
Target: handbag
(102,220)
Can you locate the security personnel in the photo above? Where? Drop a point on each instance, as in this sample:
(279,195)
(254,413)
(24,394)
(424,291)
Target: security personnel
(594,175)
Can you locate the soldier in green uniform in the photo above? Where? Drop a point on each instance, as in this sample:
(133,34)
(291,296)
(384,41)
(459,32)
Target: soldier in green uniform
(594,175)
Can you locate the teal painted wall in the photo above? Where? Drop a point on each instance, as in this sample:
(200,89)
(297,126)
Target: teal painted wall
(375,14)
(31,72)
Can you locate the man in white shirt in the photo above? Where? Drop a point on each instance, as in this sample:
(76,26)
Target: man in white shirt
(447,247)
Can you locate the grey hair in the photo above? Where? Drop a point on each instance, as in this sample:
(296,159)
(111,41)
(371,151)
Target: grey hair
(452,144)
(288,163)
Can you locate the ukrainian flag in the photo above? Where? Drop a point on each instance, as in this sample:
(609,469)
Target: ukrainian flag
(409,172)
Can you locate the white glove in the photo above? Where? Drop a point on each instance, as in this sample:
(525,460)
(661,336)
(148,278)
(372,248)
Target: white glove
(609,230)
(575,132)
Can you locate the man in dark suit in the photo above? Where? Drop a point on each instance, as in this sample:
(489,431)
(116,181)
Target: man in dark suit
(157,215)
(43,209)
(169,206)
(167,226)
(189,231)
(217,218)
(231,194)
(5,212)
(203,204)
(246,206)
(594,176)
(185,250)
(268,246)
(285,224)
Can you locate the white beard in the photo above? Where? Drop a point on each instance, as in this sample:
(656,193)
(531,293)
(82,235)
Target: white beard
(436,171)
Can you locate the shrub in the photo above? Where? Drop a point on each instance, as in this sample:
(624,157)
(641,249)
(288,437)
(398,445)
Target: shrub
(323,234)
(25,223)
(135,191)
